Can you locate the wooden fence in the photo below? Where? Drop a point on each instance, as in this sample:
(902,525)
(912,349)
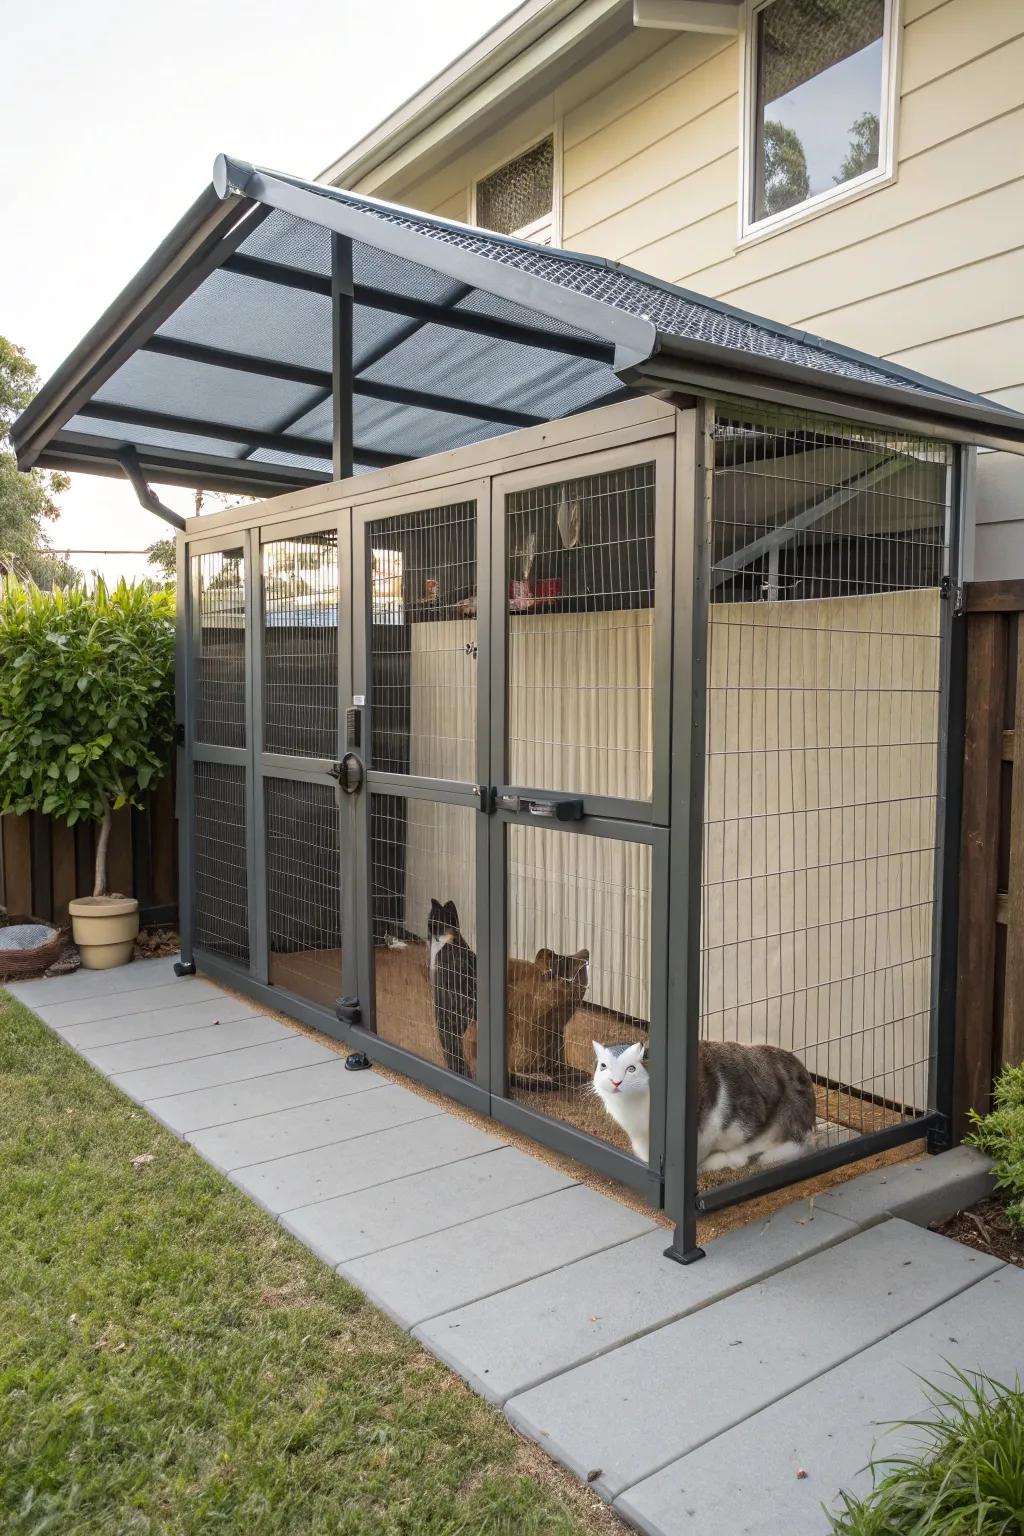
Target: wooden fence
(990,949)
(44,864)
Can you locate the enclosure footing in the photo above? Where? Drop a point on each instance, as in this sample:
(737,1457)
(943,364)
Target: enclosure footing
(184,967)
(684,1255)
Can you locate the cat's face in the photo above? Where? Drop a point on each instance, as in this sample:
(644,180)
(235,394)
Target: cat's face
(620,1068)
(573,970)
(442,918)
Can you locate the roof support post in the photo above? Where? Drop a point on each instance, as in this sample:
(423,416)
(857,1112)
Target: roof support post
(341,354)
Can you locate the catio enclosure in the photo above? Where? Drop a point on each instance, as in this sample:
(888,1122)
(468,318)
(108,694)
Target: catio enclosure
(587,668)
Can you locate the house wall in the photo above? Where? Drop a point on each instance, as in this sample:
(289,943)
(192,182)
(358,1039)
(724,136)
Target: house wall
(928,270)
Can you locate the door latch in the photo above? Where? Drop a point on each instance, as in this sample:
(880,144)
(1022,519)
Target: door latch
(349,773)
(551,808)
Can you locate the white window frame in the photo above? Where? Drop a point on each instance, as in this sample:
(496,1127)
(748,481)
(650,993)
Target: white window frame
(550,221)
(751,229)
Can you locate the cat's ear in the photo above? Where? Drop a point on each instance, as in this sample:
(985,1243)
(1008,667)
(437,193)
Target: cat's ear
(597,1049)
(545,960)
(435,905)
(582,954)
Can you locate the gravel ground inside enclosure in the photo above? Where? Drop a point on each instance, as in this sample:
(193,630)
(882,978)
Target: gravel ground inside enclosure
(405,1013)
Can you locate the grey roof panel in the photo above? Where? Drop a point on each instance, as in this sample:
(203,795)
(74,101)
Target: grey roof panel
(457,317)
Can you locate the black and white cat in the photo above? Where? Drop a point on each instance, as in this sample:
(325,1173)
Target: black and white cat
(452,965)
(752,1101)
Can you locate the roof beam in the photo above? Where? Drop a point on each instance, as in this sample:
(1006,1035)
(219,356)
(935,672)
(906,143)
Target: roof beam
(174,466)
(277,442)
(422,309)
(320,378)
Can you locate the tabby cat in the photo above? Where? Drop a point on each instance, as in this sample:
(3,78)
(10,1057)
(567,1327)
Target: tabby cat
(541,997)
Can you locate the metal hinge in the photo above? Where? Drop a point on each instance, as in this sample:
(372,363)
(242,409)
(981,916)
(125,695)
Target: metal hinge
(945,587)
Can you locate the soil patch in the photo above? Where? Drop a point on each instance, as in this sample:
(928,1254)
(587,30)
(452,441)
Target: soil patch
(986,1227)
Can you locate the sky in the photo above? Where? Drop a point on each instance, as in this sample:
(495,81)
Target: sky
(111,115)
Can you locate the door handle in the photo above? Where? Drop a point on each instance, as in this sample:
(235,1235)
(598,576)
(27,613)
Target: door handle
(547,807)
(349,773)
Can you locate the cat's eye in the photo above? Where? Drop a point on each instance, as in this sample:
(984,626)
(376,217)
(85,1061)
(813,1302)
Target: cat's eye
(631,1069)
(603,1066)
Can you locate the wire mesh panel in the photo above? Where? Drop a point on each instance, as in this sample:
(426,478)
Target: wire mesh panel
(828,547)
(424,916)
(580,582)
(300,623)
(579,971)
(421,575)
(303,888)
(221,888)
(218,595)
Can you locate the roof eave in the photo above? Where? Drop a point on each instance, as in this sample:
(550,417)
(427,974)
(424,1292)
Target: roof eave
(194,247)
(707,369)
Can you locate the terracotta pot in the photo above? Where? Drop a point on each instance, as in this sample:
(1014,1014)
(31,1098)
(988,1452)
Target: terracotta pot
(104,928)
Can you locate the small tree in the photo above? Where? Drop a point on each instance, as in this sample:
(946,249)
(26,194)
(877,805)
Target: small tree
(86,701)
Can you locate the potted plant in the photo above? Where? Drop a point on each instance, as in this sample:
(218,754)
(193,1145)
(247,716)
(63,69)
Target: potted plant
(86,724)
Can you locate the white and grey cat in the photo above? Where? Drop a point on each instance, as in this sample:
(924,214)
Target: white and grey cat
(622,1084)
(752,1101)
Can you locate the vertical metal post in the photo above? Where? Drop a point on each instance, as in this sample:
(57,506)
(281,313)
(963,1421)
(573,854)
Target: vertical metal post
(341,353)
(185,661)
(952,707)
(689,687)
(255,818)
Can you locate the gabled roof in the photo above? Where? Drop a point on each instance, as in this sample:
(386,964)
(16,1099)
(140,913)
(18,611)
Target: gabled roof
(215,364)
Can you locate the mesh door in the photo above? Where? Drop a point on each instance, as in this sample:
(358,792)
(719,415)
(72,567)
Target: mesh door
(578,969)
(580,582)
(304,889)
(823,720)
(425,928)
(422,587)
(221,900)
(219,602)
(300,668)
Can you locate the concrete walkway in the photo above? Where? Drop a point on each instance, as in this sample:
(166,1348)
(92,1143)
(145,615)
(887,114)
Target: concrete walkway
(736,1395)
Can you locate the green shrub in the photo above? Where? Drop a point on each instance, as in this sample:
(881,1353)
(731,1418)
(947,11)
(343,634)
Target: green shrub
(1001,1134)
(967,1479)
(86,701)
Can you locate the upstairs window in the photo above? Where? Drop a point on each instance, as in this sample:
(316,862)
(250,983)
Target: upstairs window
(519,197)
(819,104)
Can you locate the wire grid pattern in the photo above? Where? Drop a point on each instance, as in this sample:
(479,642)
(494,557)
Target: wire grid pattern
(580,583)
(828,545)
(303,858)
(300,645)
(424,958)
(219,598)
(579,962)
(422,591)
(221,892)
(519,192)
(673,310)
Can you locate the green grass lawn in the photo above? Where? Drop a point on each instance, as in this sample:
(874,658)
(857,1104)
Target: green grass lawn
(171,1361)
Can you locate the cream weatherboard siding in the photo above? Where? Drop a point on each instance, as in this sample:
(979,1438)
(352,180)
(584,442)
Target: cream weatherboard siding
(928,270)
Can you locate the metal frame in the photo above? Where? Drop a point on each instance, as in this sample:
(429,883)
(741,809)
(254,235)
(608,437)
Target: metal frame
(557,1134)
(672,825)
(694,468)
(417,787)
(660,451)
